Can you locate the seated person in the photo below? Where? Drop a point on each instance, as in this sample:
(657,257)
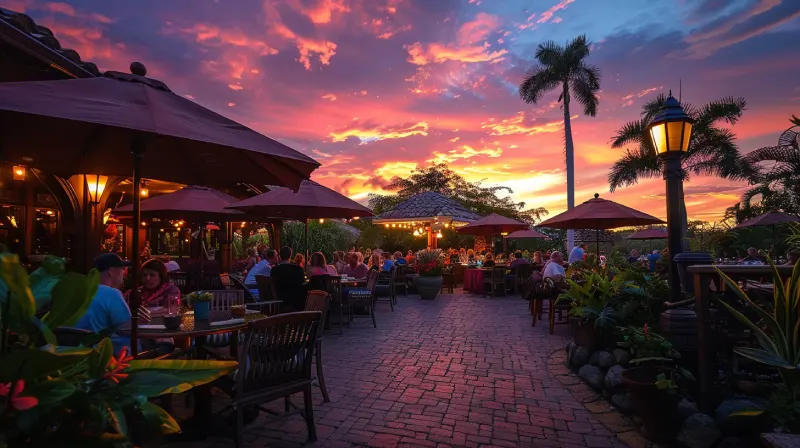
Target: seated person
(388,263)
(652,260)
(339,261)
(263,267)
(634,257)
(792,257)
(300,260)
(538,260)
(554,268)
(398,258)
(518,260)
(156,291)
(108,310)
(289,282)
(488,260)
(753,255)
(317,265)
(354,268)
(375,262)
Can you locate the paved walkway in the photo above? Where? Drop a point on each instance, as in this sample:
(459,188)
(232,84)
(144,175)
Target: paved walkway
(461,371)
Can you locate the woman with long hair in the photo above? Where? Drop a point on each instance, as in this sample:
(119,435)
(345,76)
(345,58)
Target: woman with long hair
(317,265)
(375,262)
(300,260)
(156,288)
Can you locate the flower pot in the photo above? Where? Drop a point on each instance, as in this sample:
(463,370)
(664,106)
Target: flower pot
(428,287)
(585,334)
(201,310)
(656,407)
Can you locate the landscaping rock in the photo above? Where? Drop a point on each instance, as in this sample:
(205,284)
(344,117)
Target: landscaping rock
(613,379)
(592,375)
(686,408)
(622,356)
(698,431)
(732,442)
(741,424)
(580,357)
(571,352)
(605,360)
(570,347)
(622,401)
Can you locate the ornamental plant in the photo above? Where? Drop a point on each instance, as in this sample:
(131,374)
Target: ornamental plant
(429,263)
(53,396)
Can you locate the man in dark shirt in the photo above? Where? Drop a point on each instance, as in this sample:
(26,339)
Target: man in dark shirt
(753,255)
(289,281)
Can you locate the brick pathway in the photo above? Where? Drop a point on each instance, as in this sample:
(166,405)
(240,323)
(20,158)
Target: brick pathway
(462,370)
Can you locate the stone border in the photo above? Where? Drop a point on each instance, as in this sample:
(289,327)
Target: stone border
(600,408)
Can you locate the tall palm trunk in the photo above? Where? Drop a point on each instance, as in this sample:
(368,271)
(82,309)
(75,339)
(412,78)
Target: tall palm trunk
(570,155)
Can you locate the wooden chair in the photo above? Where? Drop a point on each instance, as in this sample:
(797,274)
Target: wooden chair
(274,363)
(181,281)
(384,287)
(267,301)
(521,273)
(496,277)
(334,288)
(400,280)
(318,301)
(224,299)
(448,280)
(364,297)
(541,291)
(211,281)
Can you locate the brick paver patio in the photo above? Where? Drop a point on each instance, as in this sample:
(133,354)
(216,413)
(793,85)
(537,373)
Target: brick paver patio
(462,370)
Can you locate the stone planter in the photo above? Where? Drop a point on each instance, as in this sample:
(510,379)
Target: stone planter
(428,287)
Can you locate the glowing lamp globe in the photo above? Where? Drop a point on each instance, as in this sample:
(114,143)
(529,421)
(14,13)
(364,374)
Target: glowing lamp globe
(671,130)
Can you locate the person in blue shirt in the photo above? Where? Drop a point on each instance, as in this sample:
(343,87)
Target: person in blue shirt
(577,254)
(652,259)
(387,261)
(399,259)
(108,310)
(264,267)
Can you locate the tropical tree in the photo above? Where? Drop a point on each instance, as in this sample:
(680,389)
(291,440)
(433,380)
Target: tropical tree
(776,183)
(474,196)
(712,149)
(563,69)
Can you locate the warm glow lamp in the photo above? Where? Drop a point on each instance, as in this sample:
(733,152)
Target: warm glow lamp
(19,172)
(671,130)
(439,234)
(95,185)
(322,220)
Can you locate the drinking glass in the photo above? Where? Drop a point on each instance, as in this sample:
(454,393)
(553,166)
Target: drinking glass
(173,304)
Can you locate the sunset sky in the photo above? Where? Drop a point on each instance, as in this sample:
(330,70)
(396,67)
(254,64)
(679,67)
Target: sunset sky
(373,88)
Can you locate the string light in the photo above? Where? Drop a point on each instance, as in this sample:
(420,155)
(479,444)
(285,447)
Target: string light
(144,224)
(439,234)
(321,220)
(386,225)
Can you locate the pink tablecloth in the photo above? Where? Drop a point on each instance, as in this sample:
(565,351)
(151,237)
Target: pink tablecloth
(473,280)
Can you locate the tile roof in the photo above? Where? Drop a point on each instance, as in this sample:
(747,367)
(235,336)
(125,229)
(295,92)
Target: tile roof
(590,236)
(44,36)
(430,204)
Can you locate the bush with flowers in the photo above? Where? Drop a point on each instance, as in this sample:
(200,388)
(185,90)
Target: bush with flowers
(53,396)
(430,263)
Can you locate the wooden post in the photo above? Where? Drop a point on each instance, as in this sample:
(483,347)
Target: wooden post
(705,359)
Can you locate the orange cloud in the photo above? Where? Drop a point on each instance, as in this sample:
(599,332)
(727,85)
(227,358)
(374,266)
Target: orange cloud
(467,48)
(329,97)
(519,124)
(371,131)
(307,47)
(547,15)
(323,10)
(61,8)
(465,152)
(390,170)
(216,36)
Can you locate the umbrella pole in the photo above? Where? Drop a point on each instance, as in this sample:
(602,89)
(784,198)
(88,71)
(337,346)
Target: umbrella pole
(135,295)
(306,240)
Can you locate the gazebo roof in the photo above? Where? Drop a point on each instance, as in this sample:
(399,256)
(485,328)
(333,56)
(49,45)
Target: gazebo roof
(428,205)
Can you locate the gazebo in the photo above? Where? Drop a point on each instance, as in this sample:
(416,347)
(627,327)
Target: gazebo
(428,212)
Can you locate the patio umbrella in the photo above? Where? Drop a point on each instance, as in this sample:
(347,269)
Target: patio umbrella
(649,235)
(310,201)
(199,204)
(130,125)
(529,233)
(599,214)
(492,225)
(771,218)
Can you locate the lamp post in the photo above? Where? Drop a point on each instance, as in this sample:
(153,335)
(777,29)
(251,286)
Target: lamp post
(670,131)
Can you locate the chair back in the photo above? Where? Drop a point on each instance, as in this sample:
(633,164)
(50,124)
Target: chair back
(372,280)
(498,274)
(334,288)
(180,280)
(70,336)
(400,271)
(224,299)
(239,286)
(317,300)
(523,272)
(266,290)
(211,281)
(277,351)
(318,282)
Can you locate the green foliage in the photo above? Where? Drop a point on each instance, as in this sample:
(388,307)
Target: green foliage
(639,296)
(327,237)
(646,345)
(199,296)
(77,396)
(775,330)
(45,278)
(430,263)
(590,300)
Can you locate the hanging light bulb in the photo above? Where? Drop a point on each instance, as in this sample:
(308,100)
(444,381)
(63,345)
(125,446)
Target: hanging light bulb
(322,220)
(446,225)
(394,225)
(439,234)
(386,225)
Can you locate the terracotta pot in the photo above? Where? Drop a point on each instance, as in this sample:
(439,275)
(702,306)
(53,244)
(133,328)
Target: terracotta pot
(585,334)
(654,406)
(428,287)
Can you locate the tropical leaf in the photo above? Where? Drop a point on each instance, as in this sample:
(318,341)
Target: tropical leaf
(30,364)
(764,357)
(159,418)
(71,298)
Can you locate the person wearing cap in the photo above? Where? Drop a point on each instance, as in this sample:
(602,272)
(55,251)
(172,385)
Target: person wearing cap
(108,310)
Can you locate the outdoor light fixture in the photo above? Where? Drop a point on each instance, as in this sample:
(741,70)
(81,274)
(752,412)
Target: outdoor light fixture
(394,225)
(439,234)
(386,225)
(670,132)
(446,225)
(321,220)
(356,217)
(144,224)
(143,191)
(19,172)
(95,185)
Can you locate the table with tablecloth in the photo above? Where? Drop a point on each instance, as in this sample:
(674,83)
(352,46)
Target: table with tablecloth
(473,280)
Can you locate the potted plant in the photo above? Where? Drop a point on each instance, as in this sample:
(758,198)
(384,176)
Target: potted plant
(590,311)
(53,396)
(653,384)
(200,301)
(429,267)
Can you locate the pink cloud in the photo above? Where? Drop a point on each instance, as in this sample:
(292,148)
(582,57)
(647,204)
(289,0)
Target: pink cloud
(547,15)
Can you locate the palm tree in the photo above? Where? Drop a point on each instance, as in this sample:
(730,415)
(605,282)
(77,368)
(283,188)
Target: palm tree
(712,150)
(564,69)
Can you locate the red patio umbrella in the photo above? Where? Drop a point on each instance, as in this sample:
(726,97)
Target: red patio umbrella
(600,214)
(649,234)
(492,225)
(529,233)
(130,125)
(310,201)
(198,204)
(768,219)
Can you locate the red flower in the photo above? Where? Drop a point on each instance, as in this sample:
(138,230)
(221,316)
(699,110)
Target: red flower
(116,366)
(17,402)
(645,330)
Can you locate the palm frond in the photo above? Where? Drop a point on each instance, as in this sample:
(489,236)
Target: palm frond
(784,154)
(634,165)
(728,109)
(585,82)
(539,81)
(550,54)
(633,132)
(576,50)
(652,107)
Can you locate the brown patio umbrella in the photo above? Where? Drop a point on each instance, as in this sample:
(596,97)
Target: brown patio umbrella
(129,125)
(491,225)
(310,201)
(772,219)
(198,204)
(600,214)
(529,233)
(649,235)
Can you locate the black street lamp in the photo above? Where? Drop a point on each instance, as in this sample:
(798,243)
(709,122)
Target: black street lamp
(670,132)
